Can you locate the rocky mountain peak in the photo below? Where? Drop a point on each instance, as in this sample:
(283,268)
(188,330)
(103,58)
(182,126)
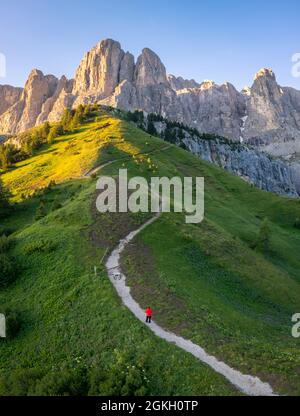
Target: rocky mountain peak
(179,83)
(99,69)
(207,84)
(265,72)
(36,79)
(9,96)
(265,115)
(24,113)
(266,90)
(246,91)
(127,68)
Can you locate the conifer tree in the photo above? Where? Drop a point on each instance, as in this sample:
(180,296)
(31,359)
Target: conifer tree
(67,119)
(264,236)
(4,200)
(41,211)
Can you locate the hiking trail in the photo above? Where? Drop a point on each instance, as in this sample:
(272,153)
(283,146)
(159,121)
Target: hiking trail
(247,384)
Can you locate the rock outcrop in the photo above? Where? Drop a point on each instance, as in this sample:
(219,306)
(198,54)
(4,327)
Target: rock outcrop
(265,116)
(149,70)
(8,97)
(99,70)
(273,112)
(178,83)
(253,166)
(25,112)
(213,108)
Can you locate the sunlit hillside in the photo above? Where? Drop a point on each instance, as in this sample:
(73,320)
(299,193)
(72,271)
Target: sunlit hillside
(208,282)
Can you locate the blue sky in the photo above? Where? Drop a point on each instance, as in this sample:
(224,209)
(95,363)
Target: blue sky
(219,40)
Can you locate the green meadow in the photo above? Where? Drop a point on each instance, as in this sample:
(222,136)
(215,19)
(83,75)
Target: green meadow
(208,282)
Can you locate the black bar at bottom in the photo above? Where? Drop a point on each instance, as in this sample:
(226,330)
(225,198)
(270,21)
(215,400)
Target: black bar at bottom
(97,406)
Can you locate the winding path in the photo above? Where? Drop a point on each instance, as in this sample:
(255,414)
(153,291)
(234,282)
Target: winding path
(247,384)
(122,159)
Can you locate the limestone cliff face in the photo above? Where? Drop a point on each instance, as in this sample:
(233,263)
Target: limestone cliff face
(8,96)
(213,108)
(98,72)
(53,107)
(273,112)
(178,83)
(145,86)
(272,120)
(127,66)
(25,112)
(253,166)
(149,70)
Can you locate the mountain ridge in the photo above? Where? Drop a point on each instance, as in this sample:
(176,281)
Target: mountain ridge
(266,115)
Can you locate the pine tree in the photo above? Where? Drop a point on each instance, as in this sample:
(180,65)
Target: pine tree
(87,111)
(55,131)
(151,128)
(78,117)
(4,200)
(67,119)
(7,155)
(41,211)
(45,129)
(264,236)
(55,205)
(297,223)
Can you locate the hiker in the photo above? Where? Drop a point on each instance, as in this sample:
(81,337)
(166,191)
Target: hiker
(149,313)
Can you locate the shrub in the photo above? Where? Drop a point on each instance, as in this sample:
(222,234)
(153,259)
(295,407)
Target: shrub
(44,130)
(41,211)
(263,239)
(4,201)
(183,146)
(13,323)
(122,378)
(7,270)
(56,205)
(5,243)
(20,382)
(87,111)
(78,117)
(66,119)
(7,231)
(151,128)
(9,154)
(63,383)
(55,131)
(297,223)
(39,246)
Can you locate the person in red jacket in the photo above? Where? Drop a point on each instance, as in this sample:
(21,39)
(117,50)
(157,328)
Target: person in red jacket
(149,313)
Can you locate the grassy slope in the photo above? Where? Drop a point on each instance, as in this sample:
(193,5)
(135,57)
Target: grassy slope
(72,317)
(203,280)
(207,284)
